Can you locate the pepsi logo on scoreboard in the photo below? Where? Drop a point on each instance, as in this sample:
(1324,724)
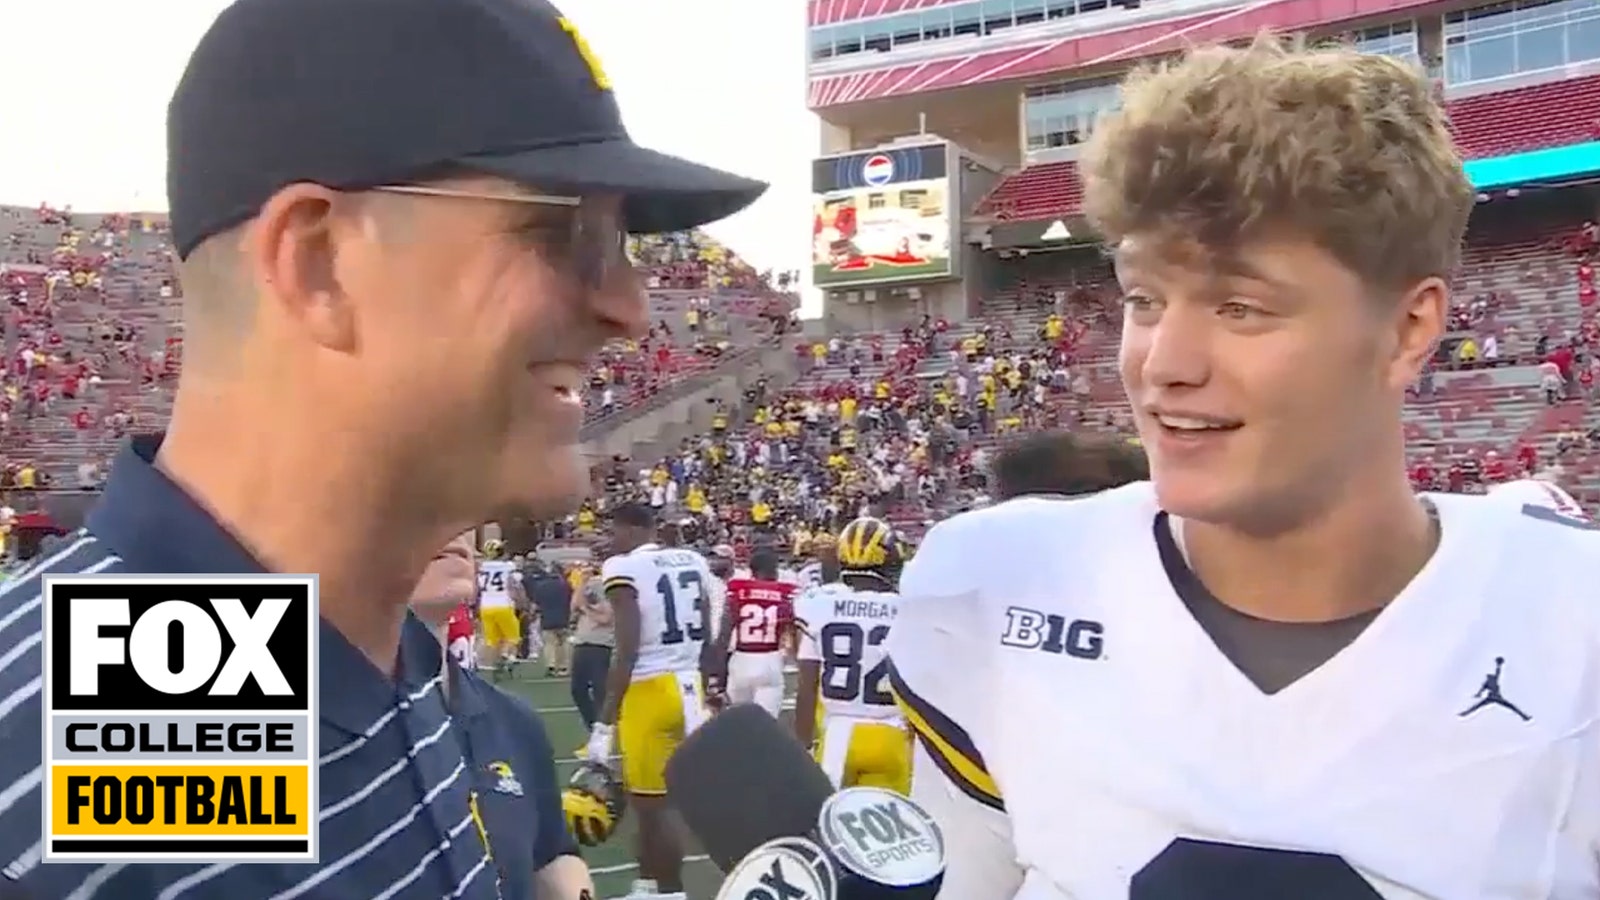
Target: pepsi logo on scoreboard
(877,170)
(180,718)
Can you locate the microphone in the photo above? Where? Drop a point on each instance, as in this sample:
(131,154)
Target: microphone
(768,816)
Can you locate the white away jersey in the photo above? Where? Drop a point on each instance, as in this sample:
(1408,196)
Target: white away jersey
(1536,493)
(847,630)
(494,582)
(1080,736)
(675,590)
(810,575)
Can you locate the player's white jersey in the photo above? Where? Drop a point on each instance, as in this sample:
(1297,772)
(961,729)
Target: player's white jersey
(810,575)
(716,603)
(847,630)
(1533,492)
(675,590)
(495,577)
(464,650)
(1081,736)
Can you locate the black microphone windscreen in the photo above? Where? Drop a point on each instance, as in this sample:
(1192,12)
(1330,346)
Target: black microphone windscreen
(741,780)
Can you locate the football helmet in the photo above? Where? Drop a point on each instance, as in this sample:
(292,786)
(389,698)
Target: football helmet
(593,804)
(869,545)
(494,548)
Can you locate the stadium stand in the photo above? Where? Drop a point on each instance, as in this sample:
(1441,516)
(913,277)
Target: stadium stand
(94,342)
(735,421)
(900,418)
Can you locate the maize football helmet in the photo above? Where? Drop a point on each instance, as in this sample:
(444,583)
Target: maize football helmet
(869,545)
(593,804)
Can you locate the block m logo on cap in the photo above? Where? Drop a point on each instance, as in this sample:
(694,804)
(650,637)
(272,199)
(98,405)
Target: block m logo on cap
(601,79)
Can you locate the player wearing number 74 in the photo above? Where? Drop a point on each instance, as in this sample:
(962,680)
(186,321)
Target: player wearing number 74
(659,599)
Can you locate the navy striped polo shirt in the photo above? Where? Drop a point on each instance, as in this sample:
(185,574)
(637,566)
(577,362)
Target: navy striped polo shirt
(394,784)
(514,771)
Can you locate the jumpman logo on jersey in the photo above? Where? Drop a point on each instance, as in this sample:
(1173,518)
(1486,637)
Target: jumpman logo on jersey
(1489,694)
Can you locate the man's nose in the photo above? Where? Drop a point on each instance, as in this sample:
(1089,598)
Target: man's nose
(621,304)
(1178,349)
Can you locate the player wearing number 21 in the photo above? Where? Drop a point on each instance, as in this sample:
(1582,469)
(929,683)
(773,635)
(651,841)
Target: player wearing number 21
(844,670)
(658,597)
(1273,670)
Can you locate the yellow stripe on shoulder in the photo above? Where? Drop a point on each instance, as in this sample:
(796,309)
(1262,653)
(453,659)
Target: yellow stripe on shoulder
(617,581)
(948,744)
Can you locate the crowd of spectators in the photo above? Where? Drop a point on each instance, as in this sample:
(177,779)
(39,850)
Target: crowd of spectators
(899,423)
(93,340)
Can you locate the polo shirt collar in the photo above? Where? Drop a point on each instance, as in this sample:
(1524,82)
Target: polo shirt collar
(155,526)
(466,694)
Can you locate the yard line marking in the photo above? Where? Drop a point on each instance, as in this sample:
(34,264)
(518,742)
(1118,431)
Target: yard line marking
(629,867)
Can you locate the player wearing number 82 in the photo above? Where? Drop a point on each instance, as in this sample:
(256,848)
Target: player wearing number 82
(659,598)
(844,669)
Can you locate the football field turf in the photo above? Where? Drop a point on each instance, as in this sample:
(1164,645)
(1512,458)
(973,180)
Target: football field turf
(612,862)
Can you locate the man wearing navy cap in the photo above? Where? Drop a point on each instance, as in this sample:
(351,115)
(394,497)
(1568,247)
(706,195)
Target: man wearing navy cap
(401,227)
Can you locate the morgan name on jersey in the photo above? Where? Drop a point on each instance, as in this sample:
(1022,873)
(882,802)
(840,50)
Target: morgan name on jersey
(1054,674)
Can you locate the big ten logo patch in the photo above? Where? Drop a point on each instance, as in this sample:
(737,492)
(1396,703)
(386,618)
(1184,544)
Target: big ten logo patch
(1032,629)
(180,718)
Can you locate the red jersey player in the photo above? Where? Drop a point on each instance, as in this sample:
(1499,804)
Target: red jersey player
(460,636)
(755,628)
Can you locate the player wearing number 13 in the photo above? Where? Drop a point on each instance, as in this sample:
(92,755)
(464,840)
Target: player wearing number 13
(843,664)
(659,597)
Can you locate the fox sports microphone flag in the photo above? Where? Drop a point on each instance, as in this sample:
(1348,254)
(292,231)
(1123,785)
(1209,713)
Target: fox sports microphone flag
(882,844)
(180,718)
(782,869)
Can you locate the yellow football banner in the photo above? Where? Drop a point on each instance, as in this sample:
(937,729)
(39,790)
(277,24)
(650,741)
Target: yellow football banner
(174,801)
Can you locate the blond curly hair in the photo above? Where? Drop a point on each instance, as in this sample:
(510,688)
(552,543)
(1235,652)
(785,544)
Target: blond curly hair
(1224,145)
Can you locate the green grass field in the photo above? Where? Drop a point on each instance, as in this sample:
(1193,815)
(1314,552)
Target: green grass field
(611,863)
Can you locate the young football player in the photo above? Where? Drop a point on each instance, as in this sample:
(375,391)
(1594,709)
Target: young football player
(755,631)
(824,568)
(844,670)
(1273,670)
(500,596)
(659,598)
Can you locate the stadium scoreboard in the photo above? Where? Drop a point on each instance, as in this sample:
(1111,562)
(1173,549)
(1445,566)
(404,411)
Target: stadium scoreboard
(180,718)
(884,215)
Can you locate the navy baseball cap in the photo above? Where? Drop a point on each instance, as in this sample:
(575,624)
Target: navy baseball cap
(354,94)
